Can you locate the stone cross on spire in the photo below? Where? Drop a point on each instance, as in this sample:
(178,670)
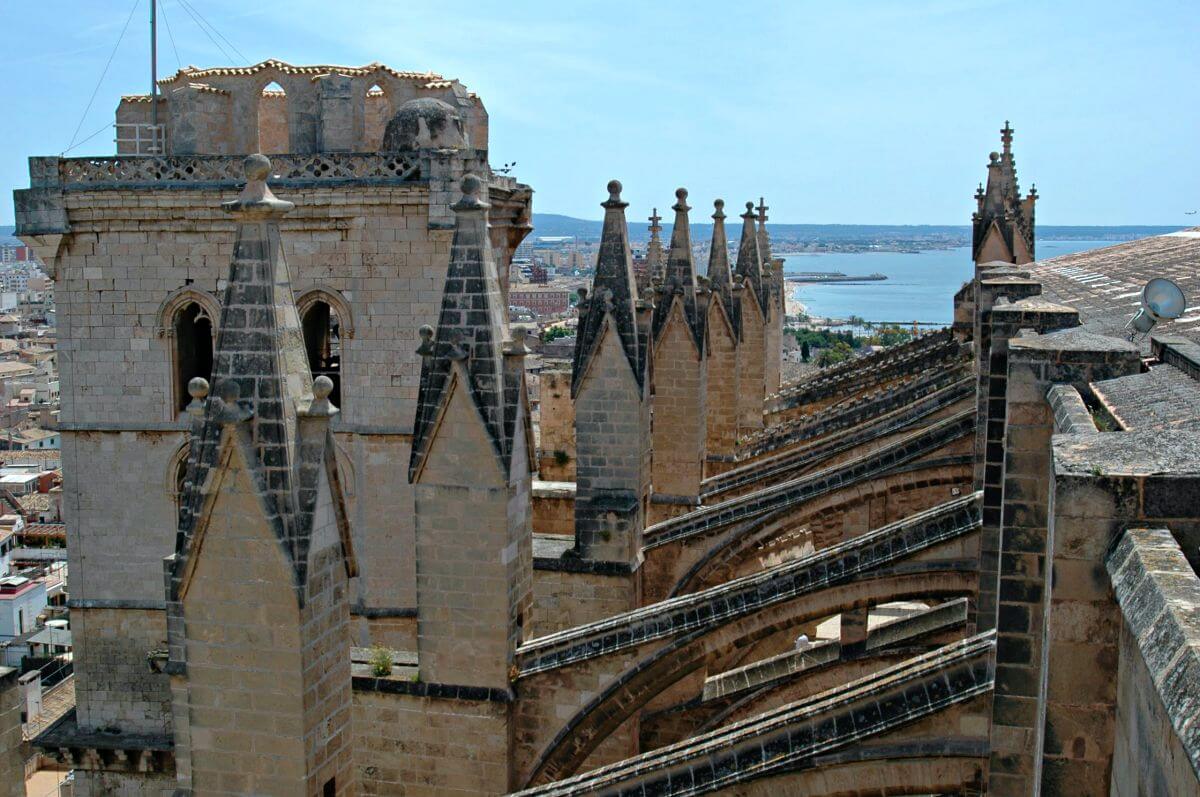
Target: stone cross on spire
(1006,137)
(613,294)
(654,251)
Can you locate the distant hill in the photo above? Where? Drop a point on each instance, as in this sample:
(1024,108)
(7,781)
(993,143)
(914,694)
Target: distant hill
(554,224)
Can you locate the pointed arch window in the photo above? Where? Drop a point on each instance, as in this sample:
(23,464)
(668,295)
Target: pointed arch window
(327,324)
(323,344)
(193,335)
(377,110)
(273,129)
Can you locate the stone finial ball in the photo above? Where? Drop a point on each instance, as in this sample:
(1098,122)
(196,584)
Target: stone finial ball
(749,207)
(322,387)
(519,333)
(614,189)
(993,156)
(471,185)
(257,166)
(681,194)
(198,387)
(719,204)
(426,332)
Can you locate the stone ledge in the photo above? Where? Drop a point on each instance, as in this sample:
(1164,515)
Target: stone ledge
(1147,453)
(359,610)
(1071,415)
(363,683)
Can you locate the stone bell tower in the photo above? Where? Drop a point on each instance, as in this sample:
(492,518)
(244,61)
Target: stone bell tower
(258,615)
(470,469)
(1002,224)
(611,388)
(679,376)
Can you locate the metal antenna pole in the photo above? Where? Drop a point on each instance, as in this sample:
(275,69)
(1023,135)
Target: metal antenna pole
(154,75)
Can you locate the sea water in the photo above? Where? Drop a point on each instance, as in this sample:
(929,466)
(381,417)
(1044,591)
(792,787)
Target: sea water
(919,287)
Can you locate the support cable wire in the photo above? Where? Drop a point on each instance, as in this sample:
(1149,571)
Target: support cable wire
(195,18)
(192,8)
(71,144)
(162,11)
(81,142)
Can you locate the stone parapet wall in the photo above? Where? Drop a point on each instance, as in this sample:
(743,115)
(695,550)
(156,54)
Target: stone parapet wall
(1157,748)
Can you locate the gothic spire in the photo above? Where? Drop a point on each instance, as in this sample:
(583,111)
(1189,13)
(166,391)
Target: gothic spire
(471,329)
(654,251)
(262,386)
(719,277)
(999,205)
(613,293)
(749,259)
(764,251)
(680,277)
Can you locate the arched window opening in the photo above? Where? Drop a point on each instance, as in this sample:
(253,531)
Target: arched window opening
(376,113)
(273,120)
(193,350)
(323,343)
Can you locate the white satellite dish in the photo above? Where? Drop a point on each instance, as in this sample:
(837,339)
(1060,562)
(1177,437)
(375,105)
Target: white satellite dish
(1162,300)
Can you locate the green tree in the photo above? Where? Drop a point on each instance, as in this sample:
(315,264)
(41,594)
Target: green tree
(838,352)
(805,351)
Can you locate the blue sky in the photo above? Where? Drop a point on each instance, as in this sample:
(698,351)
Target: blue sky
(855,112)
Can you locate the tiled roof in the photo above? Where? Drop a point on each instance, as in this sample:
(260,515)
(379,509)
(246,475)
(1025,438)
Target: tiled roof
(192,73)
(1105,285)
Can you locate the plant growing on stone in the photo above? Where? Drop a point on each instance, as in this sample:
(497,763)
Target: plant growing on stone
(380,661)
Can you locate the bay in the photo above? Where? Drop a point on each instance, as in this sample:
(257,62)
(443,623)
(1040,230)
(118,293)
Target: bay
(919,286)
